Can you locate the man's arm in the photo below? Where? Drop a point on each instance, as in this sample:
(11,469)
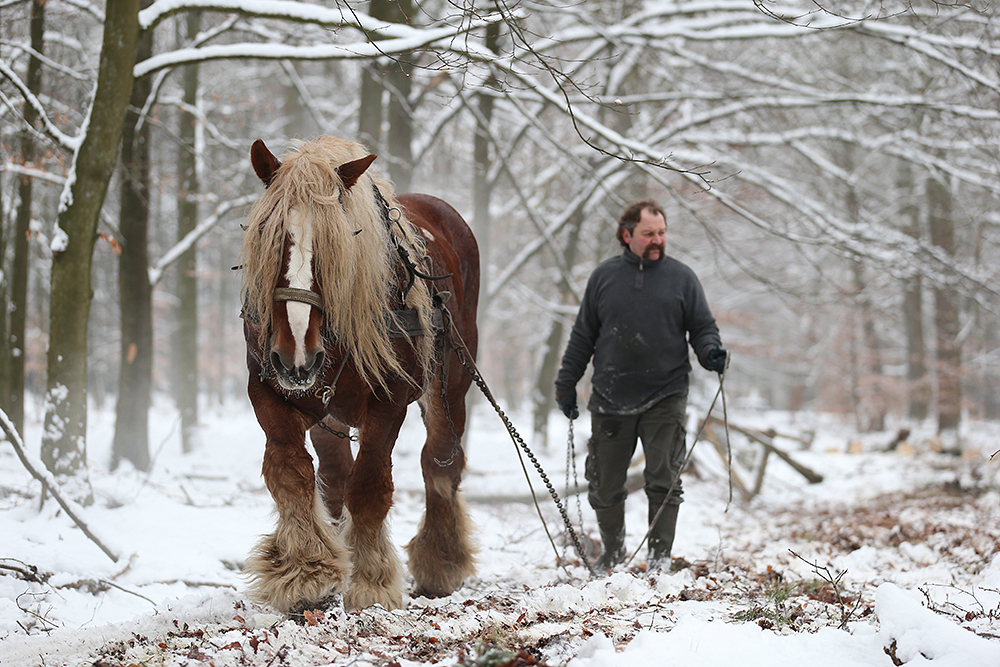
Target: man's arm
(703,332)
(580,347)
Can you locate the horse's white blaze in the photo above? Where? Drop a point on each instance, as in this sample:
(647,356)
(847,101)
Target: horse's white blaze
(299,275)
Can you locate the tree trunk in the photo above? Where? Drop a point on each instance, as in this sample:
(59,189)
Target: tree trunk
(6,344)
(946,314)
(482,187)
(370,106)
(870,403)
(135,294)
(14,390)
(918,387)
(400,135)
(394,77)
(544,394)
(372,88)
(186,378)
(482,193)
(987,339)
(65,433)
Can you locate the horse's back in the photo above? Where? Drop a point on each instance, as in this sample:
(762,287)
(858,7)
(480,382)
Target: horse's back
(450,240)
(436,215)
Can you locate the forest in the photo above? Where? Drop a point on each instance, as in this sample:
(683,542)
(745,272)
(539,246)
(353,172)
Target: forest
(830,170)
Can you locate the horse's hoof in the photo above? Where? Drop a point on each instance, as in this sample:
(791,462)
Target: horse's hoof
(293,581)
(363,596)
(310,613)
(422,592)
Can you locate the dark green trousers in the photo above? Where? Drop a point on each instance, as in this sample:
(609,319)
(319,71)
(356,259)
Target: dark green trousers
(613,442)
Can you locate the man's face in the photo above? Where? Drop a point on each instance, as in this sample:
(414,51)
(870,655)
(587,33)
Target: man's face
(649,238)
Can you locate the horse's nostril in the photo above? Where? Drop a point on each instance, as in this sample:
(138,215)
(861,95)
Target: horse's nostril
(276,361)
(317,363)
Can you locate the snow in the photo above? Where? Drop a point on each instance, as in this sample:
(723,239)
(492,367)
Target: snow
(60,240)
(910,538)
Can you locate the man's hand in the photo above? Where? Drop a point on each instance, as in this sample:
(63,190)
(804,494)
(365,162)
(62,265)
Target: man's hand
(718,359)
(568,406)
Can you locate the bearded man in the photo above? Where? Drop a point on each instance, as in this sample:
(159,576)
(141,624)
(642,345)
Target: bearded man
(640,311)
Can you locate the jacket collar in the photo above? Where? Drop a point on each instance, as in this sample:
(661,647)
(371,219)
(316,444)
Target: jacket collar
(631,258)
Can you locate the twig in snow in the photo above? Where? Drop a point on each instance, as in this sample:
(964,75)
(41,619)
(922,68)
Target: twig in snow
(33,614)
(824,573)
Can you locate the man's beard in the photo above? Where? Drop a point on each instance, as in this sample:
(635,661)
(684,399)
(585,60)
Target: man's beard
(646,254)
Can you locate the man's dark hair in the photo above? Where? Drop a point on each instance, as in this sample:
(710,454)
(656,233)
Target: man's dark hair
(630,217)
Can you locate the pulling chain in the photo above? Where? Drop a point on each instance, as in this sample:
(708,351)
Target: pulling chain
(470,367)
(571,464)
(439,344)
(339,434)
(326,394)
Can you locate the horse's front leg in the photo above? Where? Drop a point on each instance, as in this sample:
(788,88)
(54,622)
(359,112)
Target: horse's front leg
(442,554)
(304,561)
(377,572)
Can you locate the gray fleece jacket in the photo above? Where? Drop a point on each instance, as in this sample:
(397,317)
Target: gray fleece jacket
(636,320)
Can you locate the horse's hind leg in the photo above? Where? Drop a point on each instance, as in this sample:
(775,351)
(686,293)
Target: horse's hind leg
(304,561)
(442,554)
(377,576)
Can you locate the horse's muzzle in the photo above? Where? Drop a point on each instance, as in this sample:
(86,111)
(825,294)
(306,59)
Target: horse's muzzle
(297,377)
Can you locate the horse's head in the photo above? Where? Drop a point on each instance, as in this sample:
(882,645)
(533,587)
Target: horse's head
(295,346)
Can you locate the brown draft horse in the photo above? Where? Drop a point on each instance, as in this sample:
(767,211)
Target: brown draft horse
(344,290)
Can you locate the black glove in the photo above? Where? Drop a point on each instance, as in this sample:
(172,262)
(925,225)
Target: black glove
(718,359)
(568,406)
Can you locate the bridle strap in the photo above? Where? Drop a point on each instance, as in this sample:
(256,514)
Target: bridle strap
(404,255)
(300,295)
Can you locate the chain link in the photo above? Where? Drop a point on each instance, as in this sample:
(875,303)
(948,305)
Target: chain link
(339,434)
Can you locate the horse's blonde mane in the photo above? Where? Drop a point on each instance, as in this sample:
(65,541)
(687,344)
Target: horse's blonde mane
(355,263)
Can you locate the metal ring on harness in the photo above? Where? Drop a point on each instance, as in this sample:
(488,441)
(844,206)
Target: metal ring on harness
(404,254)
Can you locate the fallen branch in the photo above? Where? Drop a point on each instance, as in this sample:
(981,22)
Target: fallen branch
(26,572)
(100,585)
(811,476)
(50,484)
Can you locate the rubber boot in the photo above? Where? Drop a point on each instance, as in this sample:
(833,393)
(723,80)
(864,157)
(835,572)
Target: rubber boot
(611,523)
(661,538)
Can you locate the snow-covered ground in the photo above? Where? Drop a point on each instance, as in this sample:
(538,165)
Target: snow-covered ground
(891,559)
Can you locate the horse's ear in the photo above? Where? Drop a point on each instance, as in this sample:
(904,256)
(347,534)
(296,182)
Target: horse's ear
(265,165)
(350,172)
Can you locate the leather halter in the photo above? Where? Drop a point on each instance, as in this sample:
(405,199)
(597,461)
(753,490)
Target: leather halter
(300,295)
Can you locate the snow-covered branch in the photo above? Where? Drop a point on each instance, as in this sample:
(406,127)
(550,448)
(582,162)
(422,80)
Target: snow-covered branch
(393,38)
(205,226)
(58,136)
(37,470)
